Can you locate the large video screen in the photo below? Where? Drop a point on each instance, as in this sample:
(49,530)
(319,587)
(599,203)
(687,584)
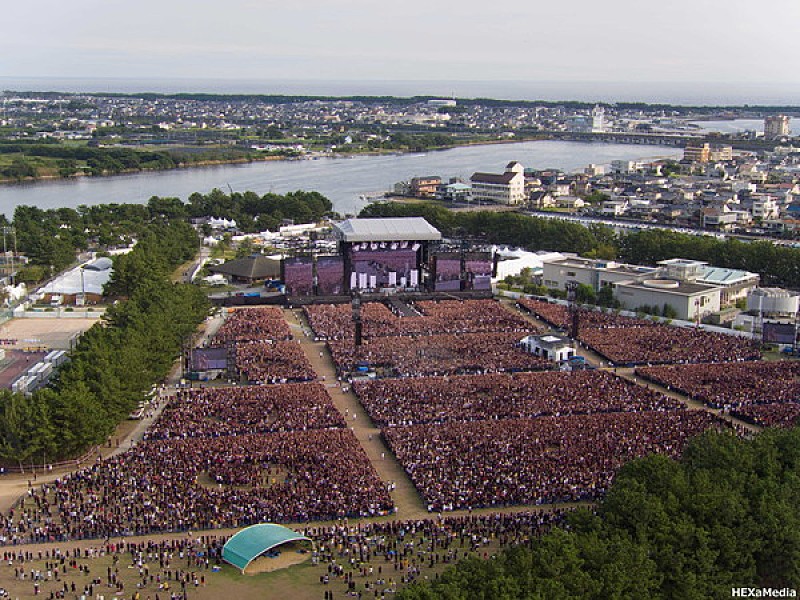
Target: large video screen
(330,275)
(478,272)
(385,265)
(298,275)
(447,273)
(779,333)
(209,359)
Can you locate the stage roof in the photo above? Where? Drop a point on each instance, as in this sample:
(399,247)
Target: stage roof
(250,543)
(394,229)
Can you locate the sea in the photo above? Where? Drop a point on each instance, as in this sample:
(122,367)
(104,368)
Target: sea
(707,93)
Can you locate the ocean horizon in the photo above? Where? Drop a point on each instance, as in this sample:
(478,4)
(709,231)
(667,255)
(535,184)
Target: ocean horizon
(677,93)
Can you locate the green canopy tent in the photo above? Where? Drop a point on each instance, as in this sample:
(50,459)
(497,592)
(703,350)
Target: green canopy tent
(250,543)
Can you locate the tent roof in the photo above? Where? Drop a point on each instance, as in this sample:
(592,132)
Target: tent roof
(250,267)
(392,229)
(250,543)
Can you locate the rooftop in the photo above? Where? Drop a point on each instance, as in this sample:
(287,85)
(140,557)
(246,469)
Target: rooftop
(250,543)
(395,229)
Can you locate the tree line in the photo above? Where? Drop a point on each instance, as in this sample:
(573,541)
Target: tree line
(776,265)
(50,238)
(117,361)
(725,515)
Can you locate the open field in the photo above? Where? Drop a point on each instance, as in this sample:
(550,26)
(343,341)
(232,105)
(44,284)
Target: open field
(51,332)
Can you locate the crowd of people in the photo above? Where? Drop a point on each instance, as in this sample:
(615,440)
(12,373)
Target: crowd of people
(665,344)
(272,362)
(459,465)
(223,411)
(410,356)
(770,415)
(335,321)
(376,558)
(248,324)
(634,341)
(392,402)
(373,559)
(206,483)
(557,315)
(732,385)
(171,569)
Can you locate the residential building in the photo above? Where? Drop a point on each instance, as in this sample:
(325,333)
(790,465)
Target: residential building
(424,187)
(505,188)
(455,192)
(776,126)
(598,119)
(697,152)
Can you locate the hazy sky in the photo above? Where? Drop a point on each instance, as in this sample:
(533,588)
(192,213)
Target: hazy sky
(561,40)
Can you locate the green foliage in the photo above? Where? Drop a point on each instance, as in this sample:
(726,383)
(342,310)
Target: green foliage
(19,169)
(777,265)
(585,294)
(101,161)
(725,515)
(254,213)
(516,229)
(115,362)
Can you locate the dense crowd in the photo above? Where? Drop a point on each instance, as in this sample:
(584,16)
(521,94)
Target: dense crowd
(216,411)
(410,356)
(526,461)
(335,322)
(206,483)
(392,402)
(272,362)
(732,385)
(665,344)
(633,341)
(248,324)
(558,315)
(770,415)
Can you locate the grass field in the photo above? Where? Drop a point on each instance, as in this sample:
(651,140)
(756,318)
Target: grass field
(298,582)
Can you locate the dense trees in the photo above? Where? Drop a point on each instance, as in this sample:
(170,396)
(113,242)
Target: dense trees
(116,361)
(51,238)
(725,515)
(500,227)
(258,213)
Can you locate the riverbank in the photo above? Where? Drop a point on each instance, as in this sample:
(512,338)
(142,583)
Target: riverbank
(255,158)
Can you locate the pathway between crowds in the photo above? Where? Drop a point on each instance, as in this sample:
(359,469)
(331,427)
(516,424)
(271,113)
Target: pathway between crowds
(628,373)
(406,499)
(128,433)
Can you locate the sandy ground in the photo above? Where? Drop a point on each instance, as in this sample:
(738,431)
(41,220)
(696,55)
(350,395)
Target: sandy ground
(51,332)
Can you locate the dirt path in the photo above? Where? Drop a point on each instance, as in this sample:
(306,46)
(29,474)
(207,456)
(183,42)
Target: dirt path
(407,500)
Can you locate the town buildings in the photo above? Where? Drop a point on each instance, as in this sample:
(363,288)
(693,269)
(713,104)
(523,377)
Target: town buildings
(501,188)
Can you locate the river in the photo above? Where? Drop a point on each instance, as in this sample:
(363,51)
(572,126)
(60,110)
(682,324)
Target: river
(343,180)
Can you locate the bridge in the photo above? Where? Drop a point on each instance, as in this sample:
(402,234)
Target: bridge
(657,139)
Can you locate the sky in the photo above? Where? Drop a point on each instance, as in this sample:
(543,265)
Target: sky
(628,41)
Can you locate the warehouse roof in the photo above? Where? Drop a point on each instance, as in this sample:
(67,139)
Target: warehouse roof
(251,542)
(395,229)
